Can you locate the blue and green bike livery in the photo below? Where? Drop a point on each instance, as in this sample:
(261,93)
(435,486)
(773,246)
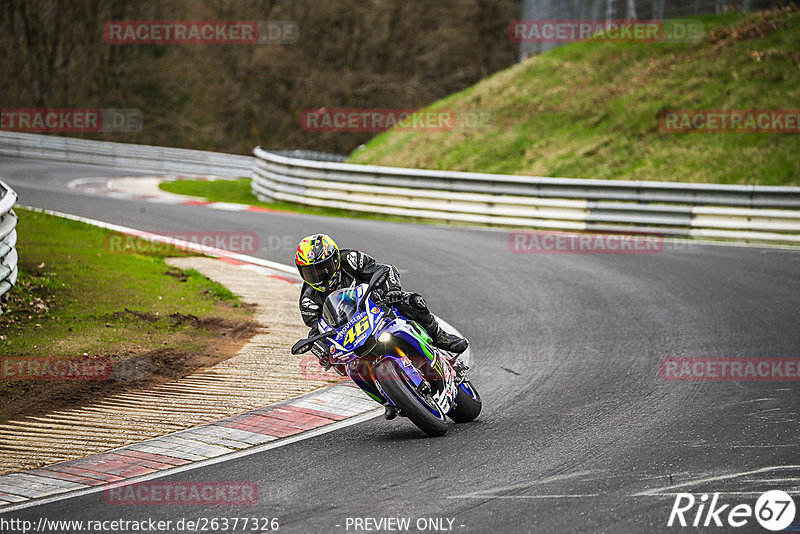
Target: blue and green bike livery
(393,360)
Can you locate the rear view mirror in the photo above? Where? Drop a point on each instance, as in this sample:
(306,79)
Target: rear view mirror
(304,345)
(377,279)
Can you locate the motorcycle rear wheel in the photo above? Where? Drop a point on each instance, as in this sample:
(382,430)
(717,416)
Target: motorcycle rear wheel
(410,402)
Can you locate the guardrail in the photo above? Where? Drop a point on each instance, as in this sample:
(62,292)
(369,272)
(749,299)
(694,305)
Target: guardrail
(739,212)
(8,239)
(124,155)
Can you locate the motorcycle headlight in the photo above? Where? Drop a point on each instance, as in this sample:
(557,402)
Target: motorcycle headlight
(386,336)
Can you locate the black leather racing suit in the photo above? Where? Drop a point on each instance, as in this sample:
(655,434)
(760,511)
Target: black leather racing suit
(357,268)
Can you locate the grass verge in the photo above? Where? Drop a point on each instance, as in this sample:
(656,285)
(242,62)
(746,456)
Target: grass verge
(238,192)
(76,300)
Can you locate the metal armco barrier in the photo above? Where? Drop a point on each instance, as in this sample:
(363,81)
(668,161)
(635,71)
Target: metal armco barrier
(738,212)
(124,155)
(8,239)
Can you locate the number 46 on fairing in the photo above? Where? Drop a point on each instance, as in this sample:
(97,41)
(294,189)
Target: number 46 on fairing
(356,330)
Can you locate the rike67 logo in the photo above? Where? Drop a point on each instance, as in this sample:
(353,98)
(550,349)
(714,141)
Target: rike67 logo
(774,510)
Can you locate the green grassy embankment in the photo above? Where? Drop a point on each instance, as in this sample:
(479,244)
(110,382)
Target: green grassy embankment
(591,110)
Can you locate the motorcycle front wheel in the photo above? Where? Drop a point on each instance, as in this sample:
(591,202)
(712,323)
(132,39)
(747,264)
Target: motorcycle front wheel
(418,407)
(468,404)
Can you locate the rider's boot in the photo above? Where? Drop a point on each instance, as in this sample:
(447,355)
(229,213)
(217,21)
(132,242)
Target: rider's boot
(444,340)
(419,309)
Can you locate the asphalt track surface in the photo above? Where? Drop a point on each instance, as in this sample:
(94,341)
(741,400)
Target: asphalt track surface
(578,431)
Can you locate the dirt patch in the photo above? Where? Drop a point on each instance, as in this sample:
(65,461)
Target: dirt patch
(132,370)
(757,26)
(177,273)
(219,325)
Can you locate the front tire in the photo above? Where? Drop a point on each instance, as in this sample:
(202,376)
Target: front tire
(468,404)
(408,400)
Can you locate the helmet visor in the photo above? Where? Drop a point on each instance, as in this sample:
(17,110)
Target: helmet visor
(319,273)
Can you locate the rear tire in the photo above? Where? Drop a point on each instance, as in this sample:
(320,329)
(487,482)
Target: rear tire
(468,406)
(399,390)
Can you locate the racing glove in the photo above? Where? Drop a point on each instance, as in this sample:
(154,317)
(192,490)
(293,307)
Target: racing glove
(394,296)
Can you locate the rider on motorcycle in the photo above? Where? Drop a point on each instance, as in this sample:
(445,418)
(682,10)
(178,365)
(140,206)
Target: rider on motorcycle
(325,268)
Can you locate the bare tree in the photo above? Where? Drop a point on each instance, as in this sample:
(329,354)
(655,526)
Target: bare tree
(351,53)
(632,10)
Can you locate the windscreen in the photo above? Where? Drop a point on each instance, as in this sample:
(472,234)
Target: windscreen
(339,307)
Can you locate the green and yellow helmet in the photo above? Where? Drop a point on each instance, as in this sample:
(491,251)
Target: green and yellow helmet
(318,262)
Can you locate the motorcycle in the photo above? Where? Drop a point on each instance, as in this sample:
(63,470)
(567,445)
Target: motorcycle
(392,359)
